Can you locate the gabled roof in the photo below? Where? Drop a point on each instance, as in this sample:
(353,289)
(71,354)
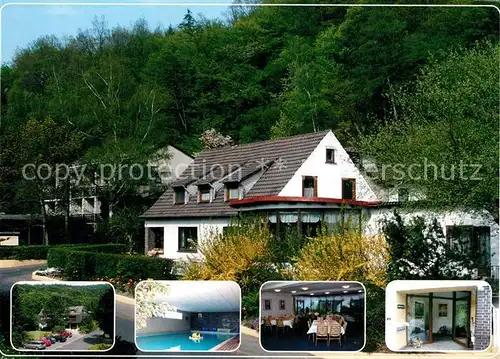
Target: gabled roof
(277,159)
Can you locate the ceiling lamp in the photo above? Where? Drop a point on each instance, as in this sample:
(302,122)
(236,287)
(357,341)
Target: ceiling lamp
(345,291)
(312,293)
(327,292)
(277,290)
(294,291)
(304,288)
(345,286)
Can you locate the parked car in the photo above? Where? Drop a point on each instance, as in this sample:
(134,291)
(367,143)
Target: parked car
(59,338)
(67,334)
(35,344)
(52,339)
(47,342)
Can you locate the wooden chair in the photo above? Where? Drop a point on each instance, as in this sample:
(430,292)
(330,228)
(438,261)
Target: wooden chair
(344,325)
(280,325)
(268,324)
(322,334)
(309,323)
(335,332)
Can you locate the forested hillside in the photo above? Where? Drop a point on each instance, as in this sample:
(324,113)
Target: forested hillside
(117,95)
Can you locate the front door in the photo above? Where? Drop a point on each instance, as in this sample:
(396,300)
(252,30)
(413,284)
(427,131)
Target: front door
(461,318)
(418,319)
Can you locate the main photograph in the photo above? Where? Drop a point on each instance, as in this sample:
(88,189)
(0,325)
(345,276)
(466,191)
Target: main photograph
(252,143)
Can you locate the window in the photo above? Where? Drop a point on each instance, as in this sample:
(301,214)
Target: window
(232,191)
(188,239)
(204,194)
(179,196)
(267,304)
(403,194)
(330,155)
(282,304)
(348,188)
(309,186)
(156,234)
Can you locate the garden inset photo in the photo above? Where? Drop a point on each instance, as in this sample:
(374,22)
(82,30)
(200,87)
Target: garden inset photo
(188,316)
(63,316)
(438,315)
(312,316)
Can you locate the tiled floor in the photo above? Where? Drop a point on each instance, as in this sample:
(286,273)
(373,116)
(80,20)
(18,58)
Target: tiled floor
(438,346)
(230,345)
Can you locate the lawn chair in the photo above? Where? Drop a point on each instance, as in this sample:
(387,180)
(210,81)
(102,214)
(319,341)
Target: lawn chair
(322,334)
(335,332)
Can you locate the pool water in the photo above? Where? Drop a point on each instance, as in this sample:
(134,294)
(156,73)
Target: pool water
(180,341)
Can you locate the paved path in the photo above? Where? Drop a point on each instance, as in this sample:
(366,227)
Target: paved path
(78,342)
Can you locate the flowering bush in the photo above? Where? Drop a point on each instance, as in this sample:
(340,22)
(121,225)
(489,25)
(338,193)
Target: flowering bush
(419,250)
(121,284)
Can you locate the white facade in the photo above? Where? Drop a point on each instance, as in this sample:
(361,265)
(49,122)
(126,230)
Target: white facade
(205,228)
(329,184)
(329,175)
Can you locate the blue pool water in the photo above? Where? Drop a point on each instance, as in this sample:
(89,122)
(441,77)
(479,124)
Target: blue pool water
(180,341)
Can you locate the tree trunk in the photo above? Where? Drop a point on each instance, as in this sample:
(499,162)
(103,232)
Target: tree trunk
(44,223)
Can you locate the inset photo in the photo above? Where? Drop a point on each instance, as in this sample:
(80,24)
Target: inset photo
(438,316)
(312,316)
(190,316)
(62,316)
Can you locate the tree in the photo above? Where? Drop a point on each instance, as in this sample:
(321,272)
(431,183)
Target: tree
(145,307)
(419,250)
(105,311)
(441,139)
(212,139)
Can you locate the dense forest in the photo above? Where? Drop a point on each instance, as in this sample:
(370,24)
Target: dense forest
(387,81)
(29,300)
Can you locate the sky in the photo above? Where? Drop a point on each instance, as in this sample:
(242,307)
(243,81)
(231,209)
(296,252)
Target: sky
(21,22)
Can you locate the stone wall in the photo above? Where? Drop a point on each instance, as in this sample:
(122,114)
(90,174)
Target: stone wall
(483,318)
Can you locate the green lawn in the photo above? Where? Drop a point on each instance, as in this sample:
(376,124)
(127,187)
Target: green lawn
(36,334)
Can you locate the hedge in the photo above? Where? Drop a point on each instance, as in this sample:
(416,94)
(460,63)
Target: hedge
(84,264)
(41,251)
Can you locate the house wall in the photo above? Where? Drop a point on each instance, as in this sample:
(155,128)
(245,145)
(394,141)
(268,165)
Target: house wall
(206,227)
(329,174)
(395,329)
(374,220)
(166,325)
(172,164)
(275,302)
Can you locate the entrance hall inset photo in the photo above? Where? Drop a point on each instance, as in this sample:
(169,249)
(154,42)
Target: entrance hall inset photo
(438,316)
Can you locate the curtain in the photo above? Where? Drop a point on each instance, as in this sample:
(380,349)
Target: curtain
(310,217)
(289,217)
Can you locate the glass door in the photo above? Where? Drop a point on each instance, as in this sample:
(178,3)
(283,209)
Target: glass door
(418,318)
(461,318)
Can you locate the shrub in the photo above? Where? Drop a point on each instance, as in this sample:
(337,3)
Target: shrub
(78,263)
(343,256)
(23,252)
(100,346)
(375,317)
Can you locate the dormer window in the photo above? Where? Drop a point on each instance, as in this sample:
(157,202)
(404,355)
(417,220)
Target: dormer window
(179,195)
(232,191)
(309,186)
(330,155)
(204,194)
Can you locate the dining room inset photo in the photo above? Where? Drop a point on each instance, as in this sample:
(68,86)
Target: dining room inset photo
(312,316)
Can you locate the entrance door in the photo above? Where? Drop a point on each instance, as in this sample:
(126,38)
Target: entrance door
(418,318)
(461,318)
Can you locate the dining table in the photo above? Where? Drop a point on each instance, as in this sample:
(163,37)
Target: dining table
(314,328)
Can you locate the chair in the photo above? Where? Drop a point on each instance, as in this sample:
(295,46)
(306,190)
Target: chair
(268,324)
(344,325)
(322,334)
(309,323)
(280,325)
(335,332)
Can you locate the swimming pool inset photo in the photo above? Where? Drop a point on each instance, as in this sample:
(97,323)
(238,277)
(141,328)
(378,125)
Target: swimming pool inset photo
(188,316)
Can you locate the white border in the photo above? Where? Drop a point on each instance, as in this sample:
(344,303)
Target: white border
(327,352)
(470,283)
(230,5)
(194,282)
(60,283)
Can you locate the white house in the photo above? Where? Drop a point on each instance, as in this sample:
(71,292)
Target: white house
(169,163)
(304,181)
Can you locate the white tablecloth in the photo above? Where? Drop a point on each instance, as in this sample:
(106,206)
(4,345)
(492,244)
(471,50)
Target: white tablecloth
(287,322)
(314,328)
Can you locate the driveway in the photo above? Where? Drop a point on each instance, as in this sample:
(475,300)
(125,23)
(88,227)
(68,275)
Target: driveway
(78,342)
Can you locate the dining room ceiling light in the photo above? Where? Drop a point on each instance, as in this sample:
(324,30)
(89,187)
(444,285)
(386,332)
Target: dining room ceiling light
(294,291)
(345,291)
(277,290)
(327,292)
(304,288)
(360,291)
(312,293)
(346,286)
